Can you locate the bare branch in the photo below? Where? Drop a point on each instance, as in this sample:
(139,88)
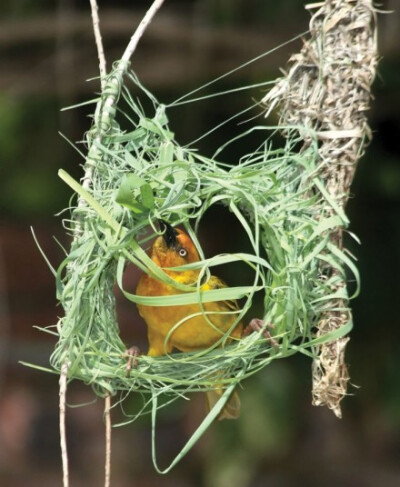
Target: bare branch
(63,436)
(99,42)
(107,419)
(140,30)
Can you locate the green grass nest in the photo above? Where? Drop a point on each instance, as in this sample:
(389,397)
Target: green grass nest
(142,174)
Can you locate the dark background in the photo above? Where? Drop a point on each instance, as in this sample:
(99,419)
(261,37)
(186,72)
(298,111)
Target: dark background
(47,52)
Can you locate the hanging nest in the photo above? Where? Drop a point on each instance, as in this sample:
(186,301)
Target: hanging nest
(141,174)
(328,89)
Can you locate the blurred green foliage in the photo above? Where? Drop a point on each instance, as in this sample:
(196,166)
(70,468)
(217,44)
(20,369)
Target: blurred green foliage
(28,152)
(257,13)
(17,9)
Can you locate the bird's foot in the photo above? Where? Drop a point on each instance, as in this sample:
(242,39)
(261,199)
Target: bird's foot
(132,355)
(257,325)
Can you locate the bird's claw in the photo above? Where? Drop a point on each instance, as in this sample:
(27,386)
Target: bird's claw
(257,325)
(132,354)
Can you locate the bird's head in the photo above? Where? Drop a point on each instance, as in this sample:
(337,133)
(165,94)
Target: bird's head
(173,248)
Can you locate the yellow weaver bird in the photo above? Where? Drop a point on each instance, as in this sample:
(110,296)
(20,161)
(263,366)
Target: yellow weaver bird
(172,249)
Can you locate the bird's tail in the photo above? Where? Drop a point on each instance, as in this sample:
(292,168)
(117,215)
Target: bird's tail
(231,409)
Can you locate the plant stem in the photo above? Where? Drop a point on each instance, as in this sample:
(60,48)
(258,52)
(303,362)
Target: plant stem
(99,43)
(63,436)
(107,419)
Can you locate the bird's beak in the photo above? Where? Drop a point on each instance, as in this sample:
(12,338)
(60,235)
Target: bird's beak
(169,234)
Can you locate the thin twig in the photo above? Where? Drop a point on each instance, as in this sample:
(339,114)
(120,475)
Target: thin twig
(107,419)
(99,43)
(63,436)
(140,30)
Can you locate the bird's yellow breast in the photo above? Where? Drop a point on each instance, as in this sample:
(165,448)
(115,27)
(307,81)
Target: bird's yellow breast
(185,327)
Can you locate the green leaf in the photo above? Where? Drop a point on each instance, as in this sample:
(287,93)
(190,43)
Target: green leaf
(166,152)
(147,196)
(134,206)
(223,294)
(202,428)
(153,126)
(135,137)
(180,174)
(132,161)
(81,191)
(132,187)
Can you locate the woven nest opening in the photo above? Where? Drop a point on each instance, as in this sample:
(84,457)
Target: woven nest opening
(141,175)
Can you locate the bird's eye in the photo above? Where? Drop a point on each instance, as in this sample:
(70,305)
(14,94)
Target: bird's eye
(183,252)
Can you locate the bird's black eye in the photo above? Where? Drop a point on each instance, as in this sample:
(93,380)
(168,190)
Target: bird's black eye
(182,252)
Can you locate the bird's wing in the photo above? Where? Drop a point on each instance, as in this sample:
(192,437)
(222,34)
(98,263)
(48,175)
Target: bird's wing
(216,283)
